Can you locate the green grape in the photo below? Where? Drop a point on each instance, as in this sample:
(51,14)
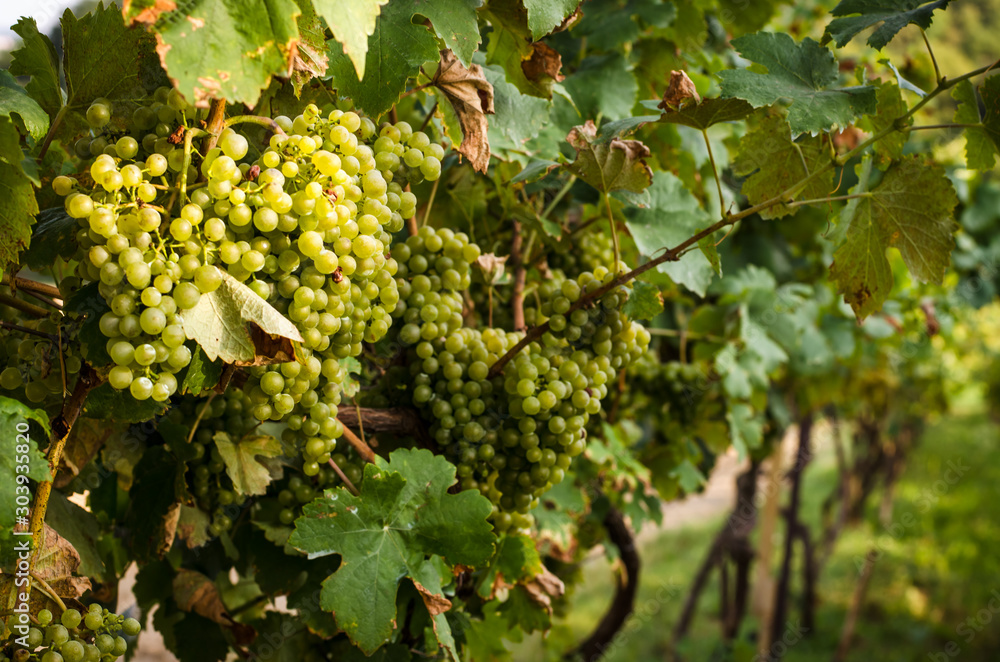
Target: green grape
(70,618)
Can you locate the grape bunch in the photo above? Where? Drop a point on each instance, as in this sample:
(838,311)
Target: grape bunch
(90,637)
(306,225)
(32,358)
(284,508)
(514,435)
(585,250)
(434,269)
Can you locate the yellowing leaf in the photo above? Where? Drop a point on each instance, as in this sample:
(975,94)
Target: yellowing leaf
(248,474)
(352,22)
(911,210)
(222,323)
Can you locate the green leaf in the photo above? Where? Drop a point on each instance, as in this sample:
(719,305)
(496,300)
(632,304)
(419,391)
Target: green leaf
(704,114)
(799,73)
(510,46)
(352,22)
(396,50)
(227,49)
(18,448)
(454,22)
(103,58)
(15,101)
(201,374)
(516,559)
(249,476)
(910,209)
(89,302)
(219,321)
(535,170)
(403,514)
(609,166)
(17,197)
(644,302)
(773,163)
(981,142)
(746,429)
(153,508)
(192,526)
(54,236)
(893,15)
(605,86)
(107,402)
(37,58)
(890,108)
(673,216)
(518,117)
(545,15)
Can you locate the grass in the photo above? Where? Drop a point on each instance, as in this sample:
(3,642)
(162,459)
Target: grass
(933,584)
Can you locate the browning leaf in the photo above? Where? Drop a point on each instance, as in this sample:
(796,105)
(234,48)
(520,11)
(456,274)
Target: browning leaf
(471,96)
(681,89)
(194,592)
(492,266)
(609,165)
(145,12)
(86,439)
(543,587)
(436,604)
(545,62)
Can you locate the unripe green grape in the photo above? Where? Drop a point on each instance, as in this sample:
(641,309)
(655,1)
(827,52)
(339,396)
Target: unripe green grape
(141,388)
(98,115)
(186,295)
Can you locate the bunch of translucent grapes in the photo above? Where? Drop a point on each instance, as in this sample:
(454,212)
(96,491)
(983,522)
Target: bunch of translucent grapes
(206,475)
(286,506)
(34,361)
(585,250)
(89,637)
(148,130)
(434,270)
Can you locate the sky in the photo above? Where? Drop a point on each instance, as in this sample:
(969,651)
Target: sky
(45,12)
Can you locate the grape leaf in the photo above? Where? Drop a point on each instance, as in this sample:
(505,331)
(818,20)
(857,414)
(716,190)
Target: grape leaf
(249,476)
(516,559)
(644,302)
(800,73)
(310,60)
(80,528)
(15,101)
(201,374)
(745,428)
(352,22)
(890,108)
(981,142)
(544,16)
(894,15)
(703,114)
(910,209)
(56,564)
(107,402)
(17,197)
(37,58)
(219,324)
(403,514)
(535,170)
(396,49)
(12,450)
(455,22)
(519,117)
(227,49)
(773,162)
(604,85)
(53,236)
(673,216)
(511,47)
(470,96)
(153,507)
(610,165)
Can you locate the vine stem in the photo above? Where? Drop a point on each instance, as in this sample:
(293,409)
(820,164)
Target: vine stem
(23,306)
(28,285)
(188,136)
(347,481)
(265,122)
(614,230)
(430,202)
(937,71)
(784,197)
(23,329)
(215,124)
(517,262)
(715,170)
(61,427)
(201,415)
(56,122)
(559,196)
(48,590)
(363,449)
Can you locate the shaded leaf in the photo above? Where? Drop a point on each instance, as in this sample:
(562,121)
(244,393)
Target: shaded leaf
(17,197)
(644,301)
(396,49)
(519,117)
(609,166)
(53,236)
(221,323)
(890,108)
(201,374)
(37,58)
(535,170)
(107,402)
(403,514)
(511,47)
(981,142)
(544,16)
(604,85)
(800,73)
(153,507)
(773,163)
(911,210)
(516,560)
(249,476)
(673,216)
(746,429)
(80,528)
(352,22)
(891,16)
(192,526)
(705,113)
(471,97)
(455,22)
(227,49)
(309,59)
(86,438)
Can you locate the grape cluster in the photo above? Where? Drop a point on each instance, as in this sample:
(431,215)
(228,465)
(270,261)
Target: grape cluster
(513,435)
(206,475)
(585,250)
(307,226)
(90,637)
(434,269)
(297,492)
(32,360)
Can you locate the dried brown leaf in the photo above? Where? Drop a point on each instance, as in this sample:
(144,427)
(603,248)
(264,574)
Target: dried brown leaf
(543,587)
(471,97)
(436,604)
(681,89)
(545,62)
(143,13)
